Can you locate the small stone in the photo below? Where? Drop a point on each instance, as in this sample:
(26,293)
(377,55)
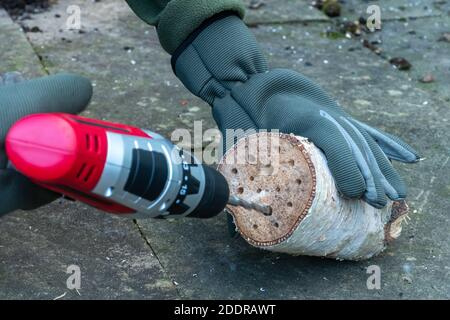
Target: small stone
(428,78)
(371,46)
(407,279)
(32,29)
(377,41)
(331,8)
(400,63)
(351,29)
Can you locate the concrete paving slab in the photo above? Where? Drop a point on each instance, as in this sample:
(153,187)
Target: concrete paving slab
(423,43)
(115,262)
(133,78)
(207,264)
(27,60)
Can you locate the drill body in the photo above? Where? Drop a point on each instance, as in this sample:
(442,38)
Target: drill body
(117,168)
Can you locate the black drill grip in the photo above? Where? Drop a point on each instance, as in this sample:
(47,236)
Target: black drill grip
(215,196)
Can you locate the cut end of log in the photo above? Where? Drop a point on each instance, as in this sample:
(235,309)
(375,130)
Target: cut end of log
(291,175)
(279,174)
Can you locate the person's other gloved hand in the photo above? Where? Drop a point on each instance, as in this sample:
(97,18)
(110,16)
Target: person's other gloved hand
(221,62)
(18,98)
(224,66)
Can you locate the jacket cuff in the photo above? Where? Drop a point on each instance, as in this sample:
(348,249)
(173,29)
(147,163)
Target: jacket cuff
(180,18)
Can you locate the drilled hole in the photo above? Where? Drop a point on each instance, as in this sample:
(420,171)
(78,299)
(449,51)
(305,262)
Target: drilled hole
(252,178)
(240,190)
(255,226)
(299,181)
(289,204)
(268,213)
(258,190)
(276,224)
(234,170)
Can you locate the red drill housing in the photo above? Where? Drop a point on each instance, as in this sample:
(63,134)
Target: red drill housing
(66,154)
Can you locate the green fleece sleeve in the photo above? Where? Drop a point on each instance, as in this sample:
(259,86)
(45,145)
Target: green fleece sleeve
(148,10)
(175,20)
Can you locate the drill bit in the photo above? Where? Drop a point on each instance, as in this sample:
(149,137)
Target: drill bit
(236,201)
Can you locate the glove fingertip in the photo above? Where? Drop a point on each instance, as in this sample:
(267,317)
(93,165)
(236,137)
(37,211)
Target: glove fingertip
(350,187)
(407,155)
(77,88)
(401,189)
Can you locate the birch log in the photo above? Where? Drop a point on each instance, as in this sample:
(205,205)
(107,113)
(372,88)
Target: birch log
(308,216)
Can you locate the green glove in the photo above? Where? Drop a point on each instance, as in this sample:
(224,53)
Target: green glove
(59,93)
(223,64)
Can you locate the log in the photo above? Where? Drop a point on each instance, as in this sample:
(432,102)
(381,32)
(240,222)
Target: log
(308,217)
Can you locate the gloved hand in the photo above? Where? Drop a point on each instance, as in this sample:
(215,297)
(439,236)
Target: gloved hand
(59,93)
(221,62)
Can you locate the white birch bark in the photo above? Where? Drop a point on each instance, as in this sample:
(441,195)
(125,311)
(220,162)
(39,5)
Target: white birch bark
(329,226)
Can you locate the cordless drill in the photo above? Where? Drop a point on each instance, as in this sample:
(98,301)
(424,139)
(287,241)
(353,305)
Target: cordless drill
(116,168)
